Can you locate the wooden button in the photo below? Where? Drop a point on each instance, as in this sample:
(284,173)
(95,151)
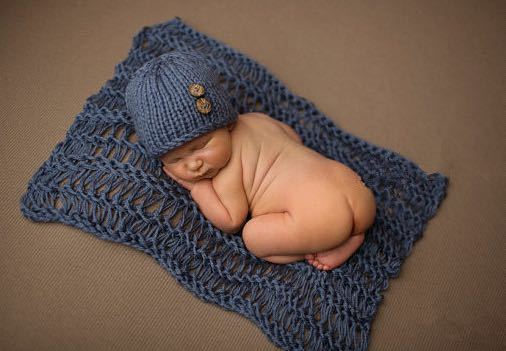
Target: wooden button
(203,105)
(196,90)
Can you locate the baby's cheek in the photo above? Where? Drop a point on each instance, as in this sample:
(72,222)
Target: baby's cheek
(167,170)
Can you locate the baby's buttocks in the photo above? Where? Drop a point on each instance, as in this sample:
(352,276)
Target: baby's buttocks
(280,175)
(320,193)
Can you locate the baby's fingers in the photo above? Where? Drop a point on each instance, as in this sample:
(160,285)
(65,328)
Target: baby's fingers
(186,184)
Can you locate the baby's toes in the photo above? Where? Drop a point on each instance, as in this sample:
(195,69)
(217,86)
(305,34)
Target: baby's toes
(310,258)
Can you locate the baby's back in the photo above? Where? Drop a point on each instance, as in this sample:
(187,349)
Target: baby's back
(280,174)
(263,144)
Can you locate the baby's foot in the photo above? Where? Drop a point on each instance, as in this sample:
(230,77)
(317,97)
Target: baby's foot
(313,260)
(330,259)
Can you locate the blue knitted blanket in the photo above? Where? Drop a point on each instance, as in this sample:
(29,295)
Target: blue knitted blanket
(99,179)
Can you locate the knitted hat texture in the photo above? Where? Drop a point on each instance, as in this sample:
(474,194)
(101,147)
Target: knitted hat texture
(166,111)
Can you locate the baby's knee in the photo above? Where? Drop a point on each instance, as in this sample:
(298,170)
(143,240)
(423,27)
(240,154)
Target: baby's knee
(269,233)
(250,238)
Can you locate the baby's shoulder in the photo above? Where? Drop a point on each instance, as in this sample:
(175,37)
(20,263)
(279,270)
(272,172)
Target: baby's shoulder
(267,127)
(256,117)
(259,122)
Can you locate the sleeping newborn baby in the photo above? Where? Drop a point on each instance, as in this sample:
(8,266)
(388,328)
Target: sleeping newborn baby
(302,204)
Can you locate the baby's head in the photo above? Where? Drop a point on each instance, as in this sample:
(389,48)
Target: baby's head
(177,105)
(199,158)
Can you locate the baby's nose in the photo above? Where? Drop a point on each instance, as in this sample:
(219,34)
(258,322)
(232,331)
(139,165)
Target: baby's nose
(195,164)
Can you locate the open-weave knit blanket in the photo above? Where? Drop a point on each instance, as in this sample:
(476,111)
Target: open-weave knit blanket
(99,179)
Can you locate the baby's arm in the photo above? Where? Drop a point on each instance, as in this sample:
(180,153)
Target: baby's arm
(226,209)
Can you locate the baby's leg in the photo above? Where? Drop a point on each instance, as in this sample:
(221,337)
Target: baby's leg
(276,234)
(283,259)
(335,257)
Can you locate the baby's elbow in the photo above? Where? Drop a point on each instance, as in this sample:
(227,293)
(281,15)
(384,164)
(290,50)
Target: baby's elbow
(232,228)
(230,231)
(235,224)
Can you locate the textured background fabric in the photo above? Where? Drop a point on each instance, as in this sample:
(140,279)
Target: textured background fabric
(423,80)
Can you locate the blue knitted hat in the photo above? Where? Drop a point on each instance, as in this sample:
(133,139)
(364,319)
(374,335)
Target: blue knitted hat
(174,98)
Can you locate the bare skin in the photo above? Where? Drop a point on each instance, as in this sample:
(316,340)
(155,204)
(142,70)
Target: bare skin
(302,204)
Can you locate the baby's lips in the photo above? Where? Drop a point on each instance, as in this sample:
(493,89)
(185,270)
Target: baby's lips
(206,173)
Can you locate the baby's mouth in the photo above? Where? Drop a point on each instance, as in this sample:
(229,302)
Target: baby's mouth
(208,174)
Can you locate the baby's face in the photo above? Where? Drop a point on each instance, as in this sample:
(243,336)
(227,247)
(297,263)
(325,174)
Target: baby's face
(199,158)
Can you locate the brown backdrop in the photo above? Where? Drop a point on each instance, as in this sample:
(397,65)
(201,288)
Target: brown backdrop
(423,78)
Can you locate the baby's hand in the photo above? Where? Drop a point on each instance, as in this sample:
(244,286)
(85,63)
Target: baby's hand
(185,183)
